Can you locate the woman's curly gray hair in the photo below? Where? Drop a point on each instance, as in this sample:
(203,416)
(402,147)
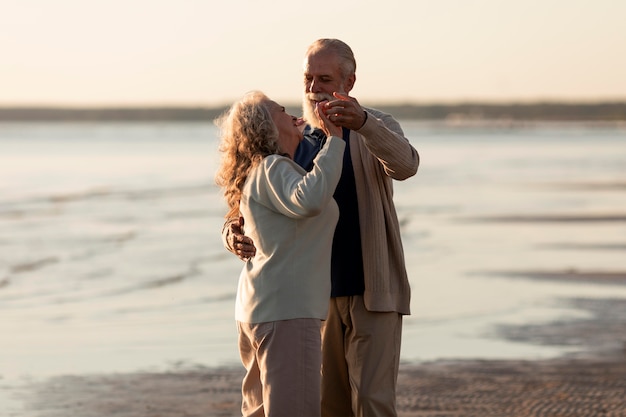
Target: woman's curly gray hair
(247,135)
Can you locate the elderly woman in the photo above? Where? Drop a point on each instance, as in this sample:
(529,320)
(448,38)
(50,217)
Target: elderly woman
(284,289)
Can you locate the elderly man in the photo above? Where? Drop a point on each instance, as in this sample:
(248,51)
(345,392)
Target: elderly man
(369,286)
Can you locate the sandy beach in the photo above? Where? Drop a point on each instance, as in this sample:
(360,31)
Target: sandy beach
(584,387)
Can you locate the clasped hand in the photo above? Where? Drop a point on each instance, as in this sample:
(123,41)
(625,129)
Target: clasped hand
(345,111)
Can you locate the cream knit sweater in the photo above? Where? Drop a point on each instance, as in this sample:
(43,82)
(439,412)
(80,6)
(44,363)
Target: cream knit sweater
(291,216)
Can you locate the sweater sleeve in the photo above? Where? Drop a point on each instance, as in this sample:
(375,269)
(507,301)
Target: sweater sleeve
(282,185)
(385,139)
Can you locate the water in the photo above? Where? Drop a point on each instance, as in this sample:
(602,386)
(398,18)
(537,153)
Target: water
(111,258)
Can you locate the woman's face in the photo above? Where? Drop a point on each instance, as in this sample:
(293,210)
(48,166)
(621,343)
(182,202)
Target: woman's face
(289,135)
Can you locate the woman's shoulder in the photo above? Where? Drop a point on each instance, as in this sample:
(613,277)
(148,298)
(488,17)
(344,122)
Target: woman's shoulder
(278,162)
(273,169)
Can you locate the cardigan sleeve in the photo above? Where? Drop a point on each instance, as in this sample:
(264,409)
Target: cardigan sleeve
(281,185)
(384,138)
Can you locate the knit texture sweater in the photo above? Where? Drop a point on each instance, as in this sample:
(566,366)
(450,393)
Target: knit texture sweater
(380,153)
(291,216)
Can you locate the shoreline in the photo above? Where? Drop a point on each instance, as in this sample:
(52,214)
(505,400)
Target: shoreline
(461,114)
(581,386)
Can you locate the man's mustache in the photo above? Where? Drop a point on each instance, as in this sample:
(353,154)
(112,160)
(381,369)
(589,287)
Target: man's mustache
(319,97)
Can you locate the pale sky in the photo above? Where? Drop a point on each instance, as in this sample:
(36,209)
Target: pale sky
(204,52)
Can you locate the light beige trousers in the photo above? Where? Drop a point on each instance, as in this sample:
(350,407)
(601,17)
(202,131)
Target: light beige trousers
(361,356)
(283,361)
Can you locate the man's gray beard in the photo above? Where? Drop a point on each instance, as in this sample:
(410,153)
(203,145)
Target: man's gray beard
(308,107)
(308,113)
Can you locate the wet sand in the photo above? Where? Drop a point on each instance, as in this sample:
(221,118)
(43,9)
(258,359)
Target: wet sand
(588,384)
(566,387)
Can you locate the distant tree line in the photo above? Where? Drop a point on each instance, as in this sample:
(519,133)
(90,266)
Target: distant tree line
(105,114)
(615,111)
(608,111)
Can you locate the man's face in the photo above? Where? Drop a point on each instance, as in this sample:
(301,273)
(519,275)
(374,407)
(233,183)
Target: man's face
(322,74)
(322,77)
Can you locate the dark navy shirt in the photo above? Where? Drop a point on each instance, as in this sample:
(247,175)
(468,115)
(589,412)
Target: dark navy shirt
(347,258)
(308,147)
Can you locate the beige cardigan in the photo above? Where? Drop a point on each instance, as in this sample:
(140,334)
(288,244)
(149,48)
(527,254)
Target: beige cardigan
(380,153)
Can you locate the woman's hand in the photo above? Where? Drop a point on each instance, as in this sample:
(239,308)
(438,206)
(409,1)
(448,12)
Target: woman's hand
(329,128)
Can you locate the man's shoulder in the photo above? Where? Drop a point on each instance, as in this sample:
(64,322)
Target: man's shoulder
(309,146)
(313,135)
(312,140)
(386,119)
(377,113)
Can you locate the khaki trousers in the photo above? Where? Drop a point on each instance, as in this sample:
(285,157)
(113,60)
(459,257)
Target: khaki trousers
(360,360)
(283,361)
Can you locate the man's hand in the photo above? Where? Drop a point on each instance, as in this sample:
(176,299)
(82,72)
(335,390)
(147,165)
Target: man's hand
(240,244)
(329,128)
(345,111)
